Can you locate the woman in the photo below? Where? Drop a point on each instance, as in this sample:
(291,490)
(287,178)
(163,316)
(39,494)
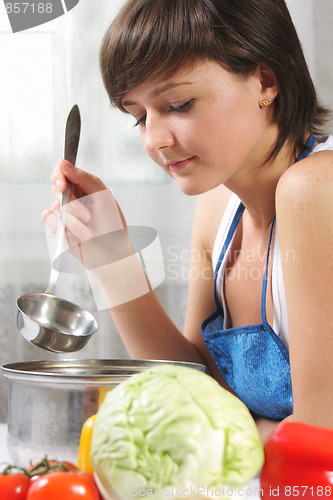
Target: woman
(224,102)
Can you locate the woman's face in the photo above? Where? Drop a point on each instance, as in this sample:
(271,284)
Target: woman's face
(204,126)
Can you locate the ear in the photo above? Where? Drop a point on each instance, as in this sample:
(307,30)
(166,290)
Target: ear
(268,88)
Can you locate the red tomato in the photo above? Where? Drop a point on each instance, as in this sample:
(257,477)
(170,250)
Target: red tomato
(67,485)
(14,486)
(90,475)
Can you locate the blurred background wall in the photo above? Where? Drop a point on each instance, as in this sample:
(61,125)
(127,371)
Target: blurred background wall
(45,71)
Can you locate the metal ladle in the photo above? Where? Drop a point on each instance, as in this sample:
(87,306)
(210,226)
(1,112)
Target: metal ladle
(45,320)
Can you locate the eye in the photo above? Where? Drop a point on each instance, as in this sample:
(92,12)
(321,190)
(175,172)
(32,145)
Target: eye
(182,107)
(140,121)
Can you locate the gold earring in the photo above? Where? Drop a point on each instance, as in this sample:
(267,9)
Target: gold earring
(267,102)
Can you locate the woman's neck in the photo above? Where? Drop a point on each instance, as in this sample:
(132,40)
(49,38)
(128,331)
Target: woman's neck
(256,185)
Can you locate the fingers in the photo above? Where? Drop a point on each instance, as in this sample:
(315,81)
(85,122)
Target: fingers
(92,210)
(58,180)
(50,219)
(71,241)
(76,229)
(84,183)
(76,207)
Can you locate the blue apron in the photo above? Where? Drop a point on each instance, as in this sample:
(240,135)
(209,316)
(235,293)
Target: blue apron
(252,359)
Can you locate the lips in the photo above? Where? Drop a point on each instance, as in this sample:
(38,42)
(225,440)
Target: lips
(175,166)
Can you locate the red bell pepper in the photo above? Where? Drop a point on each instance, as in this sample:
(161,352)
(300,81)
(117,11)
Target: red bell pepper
(298,463)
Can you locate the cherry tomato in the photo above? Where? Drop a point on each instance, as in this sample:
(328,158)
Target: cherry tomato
(67,485)
(14,486)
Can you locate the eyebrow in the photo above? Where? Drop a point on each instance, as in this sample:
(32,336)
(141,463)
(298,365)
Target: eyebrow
(159,91)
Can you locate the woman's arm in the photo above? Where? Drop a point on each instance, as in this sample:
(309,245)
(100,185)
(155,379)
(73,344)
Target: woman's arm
(144,326)
(304,203)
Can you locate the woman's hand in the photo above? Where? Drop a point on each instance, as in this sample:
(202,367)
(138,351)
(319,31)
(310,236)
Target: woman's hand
(83,184)
(95,227)
(96,234)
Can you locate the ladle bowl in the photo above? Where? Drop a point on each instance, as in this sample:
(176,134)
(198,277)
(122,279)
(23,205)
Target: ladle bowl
(53,323)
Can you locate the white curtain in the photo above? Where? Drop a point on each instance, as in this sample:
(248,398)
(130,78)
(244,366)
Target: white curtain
(44,71)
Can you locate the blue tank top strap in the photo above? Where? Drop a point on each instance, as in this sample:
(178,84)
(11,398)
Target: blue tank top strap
(308,146)
(239,212)
(232,229)
(264,281)
(307,149)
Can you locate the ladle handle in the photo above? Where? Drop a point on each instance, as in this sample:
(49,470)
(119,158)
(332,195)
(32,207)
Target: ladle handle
(60,237)
(72,137)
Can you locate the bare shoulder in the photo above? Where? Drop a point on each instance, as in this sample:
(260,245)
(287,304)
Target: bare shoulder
(307,183)
(304,211)
(208,214)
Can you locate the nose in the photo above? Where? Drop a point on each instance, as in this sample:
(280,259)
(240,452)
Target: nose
(157,134)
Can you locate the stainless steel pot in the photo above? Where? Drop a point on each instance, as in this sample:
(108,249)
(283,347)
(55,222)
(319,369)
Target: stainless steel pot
(49,401)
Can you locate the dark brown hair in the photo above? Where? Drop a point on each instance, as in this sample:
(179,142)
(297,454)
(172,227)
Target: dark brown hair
(155,38)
